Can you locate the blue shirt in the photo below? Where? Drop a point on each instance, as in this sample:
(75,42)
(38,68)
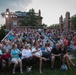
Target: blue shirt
(15,53)
(43,48)
(10,37)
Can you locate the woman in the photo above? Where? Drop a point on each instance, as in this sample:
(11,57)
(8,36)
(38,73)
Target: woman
(38,55)
(65,57)
(15,58)
(27,57)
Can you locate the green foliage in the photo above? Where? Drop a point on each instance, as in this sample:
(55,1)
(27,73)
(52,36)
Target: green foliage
(74,22)
(2,32)
(31,19)
(54,26)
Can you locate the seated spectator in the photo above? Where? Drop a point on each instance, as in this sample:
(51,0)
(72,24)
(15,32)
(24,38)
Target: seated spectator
(6,56)
(0,57)
(1,49)
(0,63)
(10,36)
(55,54)
(27,57)
(66,42)
(49,47)
(15,58)
(7,46)
(74,40)
(38,55)
(45,52)
(65,57)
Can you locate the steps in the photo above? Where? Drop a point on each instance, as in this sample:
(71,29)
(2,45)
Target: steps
(46,38)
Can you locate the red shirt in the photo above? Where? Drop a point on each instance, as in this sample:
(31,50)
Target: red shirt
(74,40)
(65,42)
(6,56)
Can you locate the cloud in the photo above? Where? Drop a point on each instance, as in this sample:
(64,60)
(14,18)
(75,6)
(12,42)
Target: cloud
(14,4)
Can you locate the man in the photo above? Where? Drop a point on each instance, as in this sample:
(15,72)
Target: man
(55,54)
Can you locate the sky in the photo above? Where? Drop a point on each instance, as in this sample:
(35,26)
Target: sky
(51,10)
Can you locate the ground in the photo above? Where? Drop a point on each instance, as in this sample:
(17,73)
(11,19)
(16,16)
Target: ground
(46,71)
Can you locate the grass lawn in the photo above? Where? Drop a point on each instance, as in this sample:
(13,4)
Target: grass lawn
(46,71)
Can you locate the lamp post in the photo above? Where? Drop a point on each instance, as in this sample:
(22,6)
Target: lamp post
(7,16)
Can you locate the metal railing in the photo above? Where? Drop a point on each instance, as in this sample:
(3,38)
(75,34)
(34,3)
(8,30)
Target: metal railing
(33,27)
(6,35)
(49,37)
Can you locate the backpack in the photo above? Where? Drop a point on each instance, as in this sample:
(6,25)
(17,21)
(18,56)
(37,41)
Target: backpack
(64,67)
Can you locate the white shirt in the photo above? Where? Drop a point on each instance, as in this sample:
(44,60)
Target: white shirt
(39,53)
(0,52)
(26,53)
(49,49)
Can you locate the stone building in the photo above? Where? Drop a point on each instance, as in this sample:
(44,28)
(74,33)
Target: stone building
(13,19)
(65,24)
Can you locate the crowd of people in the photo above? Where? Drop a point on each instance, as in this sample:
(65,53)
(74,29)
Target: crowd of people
(68,37)
(29,46)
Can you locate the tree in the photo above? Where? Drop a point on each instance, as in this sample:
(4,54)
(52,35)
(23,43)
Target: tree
(74,22)
(56,26)
(2,32)
(30,19)
(44,25)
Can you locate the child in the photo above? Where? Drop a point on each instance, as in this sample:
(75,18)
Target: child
(5,58)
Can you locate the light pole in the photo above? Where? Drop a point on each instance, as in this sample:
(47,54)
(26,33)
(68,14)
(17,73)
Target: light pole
(7,16)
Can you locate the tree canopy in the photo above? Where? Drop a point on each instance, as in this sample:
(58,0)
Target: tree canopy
(2,32)
(31,19)
(74,22)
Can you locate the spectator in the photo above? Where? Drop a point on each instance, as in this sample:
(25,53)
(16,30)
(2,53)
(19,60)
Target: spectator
(10,36)
(55,54)
(38,56)
(15,58)
(74,40)
(0,57)
(6,56)
(27,57)
(1,49)
(65,57)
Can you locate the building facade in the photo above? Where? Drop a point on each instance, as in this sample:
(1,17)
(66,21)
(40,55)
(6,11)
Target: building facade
(13,19)
(65,24)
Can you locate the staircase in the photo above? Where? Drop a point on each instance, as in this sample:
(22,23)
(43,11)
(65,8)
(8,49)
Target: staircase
(47,38)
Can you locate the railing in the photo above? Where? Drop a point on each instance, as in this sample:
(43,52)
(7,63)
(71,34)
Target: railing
(49,38)
(33,27)
(6,35)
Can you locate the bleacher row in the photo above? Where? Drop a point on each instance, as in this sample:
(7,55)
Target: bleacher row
(58,36)
(30,38)
(22,37)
